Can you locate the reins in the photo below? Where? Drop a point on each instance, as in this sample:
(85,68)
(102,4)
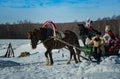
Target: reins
(45,40)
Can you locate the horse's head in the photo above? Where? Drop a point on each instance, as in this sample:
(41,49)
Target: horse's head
(83,30)
(36,35)
(33,36)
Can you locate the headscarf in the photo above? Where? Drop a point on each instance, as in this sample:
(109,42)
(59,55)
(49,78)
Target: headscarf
(107,28)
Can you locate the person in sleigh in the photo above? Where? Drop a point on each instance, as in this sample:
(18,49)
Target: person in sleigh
(98,46)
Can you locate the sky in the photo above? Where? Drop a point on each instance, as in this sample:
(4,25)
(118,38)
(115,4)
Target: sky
(58,11)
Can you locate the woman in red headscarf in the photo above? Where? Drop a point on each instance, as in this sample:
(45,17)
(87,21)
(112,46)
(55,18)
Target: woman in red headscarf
(109,31)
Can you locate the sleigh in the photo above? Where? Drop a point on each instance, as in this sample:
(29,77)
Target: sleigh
(88,50)
(114,51)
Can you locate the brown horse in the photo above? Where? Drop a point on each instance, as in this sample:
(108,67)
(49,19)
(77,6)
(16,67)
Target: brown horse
(44,34)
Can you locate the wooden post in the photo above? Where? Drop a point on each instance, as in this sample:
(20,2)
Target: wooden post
(10,51)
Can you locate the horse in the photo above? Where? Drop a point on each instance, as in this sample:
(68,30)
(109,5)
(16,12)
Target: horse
(45,34)
(86,33)
(89,33)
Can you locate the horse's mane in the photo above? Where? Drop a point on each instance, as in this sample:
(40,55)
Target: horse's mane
(83,30)
(46,32)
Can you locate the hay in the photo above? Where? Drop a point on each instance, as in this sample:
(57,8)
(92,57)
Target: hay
(24,54)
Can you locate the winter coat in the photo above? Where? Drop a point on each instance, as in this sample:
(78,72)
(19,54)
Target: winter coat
(107,38)
(96,43)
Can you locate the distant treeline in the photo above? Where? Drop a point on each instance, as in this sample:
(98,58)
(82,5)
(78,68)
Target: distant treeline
(16,31)
(19,31)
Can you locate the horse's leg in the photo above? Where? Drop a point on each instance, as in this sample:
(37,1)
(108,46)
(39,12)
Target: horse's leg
(51,59)
(70,57)
(75,59)
(83,39)
(47,59)
(72,52)
(78,52)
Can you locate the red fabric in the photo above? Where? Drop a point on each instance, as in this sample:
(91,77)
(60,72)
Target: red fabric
(116,41)
(113,38)
(89,28)
(53,26)
(51,23)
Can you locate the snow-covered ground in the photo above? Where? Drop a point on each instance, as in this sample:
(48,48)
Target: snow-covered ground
(33,66)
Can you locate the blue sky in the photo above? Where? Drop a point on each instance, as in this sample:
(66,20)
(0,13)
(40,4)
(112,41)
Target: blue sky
(59,11)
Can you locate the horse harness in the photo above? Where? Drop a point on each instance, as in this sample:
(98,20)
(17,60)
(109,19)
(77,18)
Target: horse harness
(64,43)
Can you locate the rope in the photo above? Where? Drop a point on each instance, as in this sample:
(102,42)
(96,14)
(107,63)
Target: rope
(44,41)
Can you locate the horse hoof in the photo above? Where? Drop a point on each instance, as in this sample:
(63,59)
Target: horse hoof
(68,62)
(49,64)
(76,62)
(46,64)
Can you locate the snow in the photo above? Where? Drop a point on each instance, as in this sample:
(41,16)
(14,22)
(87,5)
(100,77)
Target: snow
(33,66)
